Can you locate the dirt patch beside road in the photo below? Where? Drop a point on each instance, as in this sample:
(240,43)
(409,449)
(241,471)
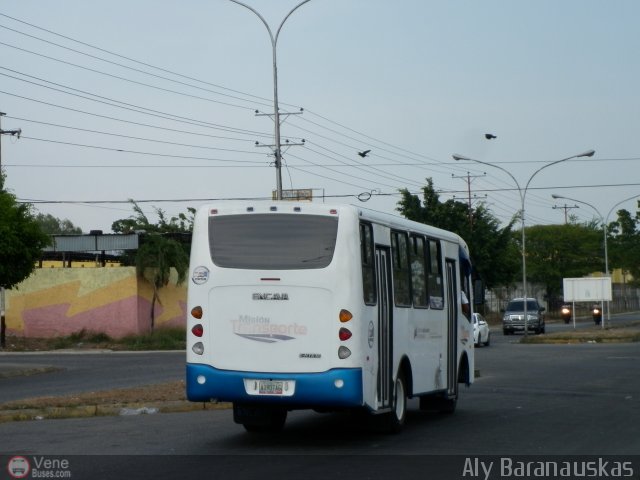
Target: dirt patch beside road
(164,397)
(618,334)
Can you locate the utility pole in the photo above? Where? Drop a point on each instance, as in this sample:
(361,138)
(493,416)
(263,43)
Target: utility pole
(276,110)
(468,177)
(277,147)
(6,132)
(565,207)
(3,325)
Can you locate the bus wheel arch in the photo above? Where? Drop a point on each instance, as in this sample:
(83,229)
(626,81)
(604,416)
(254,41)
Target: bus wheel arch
(464,372)
(405,370)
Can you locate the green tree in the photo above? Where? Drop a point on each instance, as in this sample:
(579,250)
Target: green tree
(177,228)
(555,252)
(56,226)
(624,244)
(154,261)
(21,239)
(21,243)
(163,245)
(493,251)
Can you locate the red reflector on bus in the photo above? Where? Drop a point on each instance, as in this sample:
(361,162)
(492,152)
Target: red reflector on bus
(197,330)
(214,212)
(344,334)
(333,211)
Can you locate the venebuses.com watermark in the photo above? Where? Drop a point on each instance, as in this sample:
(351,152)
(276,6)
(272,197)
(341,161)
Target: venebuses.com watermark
(38,467)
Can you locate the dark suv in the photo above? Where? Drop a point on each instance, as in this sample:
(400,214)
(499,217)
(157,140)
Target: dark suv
(513,316)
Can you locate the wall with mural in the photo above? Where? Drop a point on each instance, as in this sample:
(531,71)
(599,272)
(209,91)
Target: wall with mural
(115,301)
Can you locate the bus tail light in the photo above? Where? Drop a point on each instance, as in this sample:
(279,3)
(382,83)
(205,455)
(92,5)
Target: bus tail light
(197,330)
(345,315)
(196,312)
(343,352)
(344,334)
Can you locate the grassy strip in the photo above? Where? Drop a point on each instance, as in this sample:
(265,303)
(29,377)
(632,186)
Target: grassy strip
(165,397)
(161,339)
(150,393)
(594,335)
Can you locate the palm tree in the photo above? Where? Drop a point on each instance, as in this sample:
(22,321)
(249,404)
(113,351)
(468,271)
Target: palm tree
(154,260)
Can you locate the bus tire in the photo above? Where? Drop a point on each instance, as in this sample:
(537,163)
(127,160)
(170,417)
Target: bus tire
(393,421)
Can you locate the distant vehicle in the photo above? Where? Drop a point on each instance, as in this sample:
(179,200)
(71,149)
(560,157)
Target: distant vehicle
(513,316)
(565,313)
(597,314)
(481,331)
(327,307)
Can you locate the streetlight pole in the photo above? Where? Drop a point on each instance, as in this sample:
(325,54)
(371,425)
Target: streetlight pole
(605,221)
(276,109)
(523,194)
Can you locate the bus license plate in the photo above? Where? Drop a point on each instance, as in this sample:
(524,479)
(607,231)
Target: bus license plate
(270,387)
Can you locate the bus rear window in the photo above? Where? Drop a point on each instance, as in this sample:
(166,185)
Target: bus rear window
(272,241)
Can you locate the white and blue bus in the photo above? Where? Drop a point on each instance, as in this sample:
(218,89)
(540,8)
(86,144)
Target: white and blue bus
(315,306)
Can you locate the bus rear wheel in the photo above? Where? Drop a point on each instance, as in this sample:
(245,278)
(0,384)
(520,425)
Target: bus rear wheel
(393,421)
(259,418)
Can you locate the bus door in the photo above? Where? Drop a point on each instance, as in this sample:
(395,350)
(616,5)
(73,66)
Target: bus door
(452,329)
(385,320)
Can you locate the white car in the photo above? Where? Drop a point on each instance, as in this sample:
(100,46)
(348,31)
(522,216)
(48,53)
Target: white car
(481,332)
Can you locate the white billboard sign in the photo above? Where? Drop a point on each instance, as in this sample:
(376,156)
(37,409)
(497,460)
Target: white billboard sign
(592,289)
(296,194)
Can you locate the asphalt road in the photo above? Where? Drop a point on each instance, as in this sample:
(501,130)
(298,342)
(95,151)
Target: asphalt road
(560,400)
(74,372)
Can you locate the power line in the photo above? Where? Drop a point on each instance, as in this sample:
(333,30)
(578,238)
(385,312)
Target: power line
(132,137)
(107,117)
(120,150)
(132,59)
(128,106)
(126,79)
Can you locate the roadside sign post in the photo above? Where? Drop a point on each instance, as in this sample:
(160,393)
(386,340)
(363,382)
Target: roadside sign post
(590,289)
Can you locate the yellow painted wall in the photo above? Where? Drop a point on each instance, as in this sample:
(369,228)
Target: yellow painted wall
(61,301)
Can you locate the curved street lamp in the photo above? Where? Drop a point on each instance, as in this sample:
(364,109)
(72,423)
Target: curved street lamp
(276,110)
(604,221)
(523,194)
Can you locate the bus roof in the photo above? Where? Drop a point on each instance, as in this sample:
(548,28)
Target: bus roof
(393,221)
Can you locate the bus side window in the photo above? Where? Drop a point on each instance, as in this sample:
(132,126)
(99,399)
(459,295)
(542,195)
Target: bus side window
(401,272)
(419,272)
(367,254)
(434,282)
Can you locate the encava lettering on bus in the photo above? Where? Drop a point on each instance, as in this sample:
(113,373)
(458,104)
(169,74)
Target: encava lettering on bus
(270,296)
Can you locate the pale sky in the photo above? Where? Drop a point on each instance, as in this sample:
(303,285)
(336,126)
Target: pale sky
(414,81)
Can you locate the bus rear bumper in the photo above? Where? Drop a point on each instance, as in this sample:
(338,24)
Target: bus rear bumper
(336,388)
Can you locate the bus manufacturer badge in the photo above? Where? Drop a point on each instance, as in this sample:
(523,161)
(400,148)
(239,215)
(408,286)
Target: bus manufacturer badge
(270,296)
(200,275)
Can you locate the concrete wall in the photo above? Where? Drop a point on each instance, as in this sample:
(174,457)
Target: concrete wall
(115,301)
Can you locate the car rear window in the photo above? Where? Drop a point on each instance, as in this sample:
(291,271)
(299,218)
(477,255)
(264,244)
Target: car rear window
(518,306)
